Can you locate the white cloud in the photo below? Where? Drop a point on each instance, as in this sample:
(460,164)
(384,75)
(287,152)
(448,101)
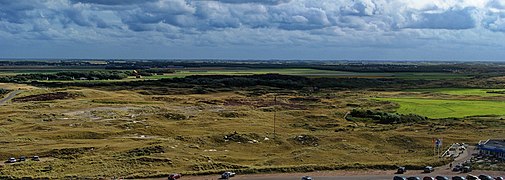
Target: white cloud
(312,23)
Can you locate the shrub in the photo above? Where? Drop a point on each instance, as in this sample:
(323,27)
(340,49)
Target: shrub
(385,117)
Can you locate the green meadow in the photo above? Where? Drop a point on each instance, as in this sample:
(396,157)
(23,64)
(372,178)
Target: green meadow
(441,108)
(465,91)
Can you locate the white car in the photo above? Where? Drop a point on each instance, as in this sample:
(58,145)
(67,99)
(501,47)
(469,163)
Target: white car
(307,178)
(11,160)
(227,175)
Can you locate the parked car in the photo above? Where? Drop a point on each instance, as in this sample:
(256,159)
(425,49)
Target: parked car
(441,178)
(466,169)
(11,160)
(457,168)
(498,178)
(458,178)
(307,178)
(472,177)
(428,178)
(413,178)
(401,170)
(22,158)
(231,174)
(485,177)
(428,169)
(174,176)
(399,178)
(227,175)
(35,158)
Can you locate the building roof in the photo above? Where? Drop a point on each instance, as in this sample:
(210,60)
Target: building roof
(495,145)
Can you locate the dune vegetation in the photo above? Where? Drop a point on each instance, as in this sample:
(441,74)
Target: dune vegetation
(210,124)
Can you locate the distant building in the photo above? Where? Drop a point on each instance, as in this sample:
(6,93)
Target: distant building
(493,147)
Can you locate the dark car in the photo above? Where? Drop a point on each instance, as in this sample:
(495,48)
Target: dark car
(428,178)
(466,169)
(174,176)
(428,169)
(485,177)
(441,178)
(472,177)
(458,178)
(498,178)
(35,158)
(399,178)
(457,168)
(413,178)
(307,178)
(22,158)
(401,170)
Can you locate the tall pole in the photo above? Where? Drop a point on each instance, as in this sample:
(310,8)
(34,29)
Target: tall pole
(275,111)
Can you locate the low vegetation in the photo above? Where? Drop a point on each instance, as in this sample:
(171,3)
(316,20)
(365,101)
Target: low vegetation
(384,117)
(210,124)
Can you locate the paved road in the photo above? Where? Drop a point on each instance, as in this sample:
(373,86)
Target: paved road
(339,175)
(9,96)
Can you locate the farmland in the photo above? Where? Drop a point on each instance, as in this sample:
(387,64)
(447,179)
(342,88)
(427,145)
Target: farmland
(179,122)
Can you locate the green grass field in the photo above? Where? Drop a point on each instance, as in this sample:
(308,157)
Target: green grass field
(436,108)
(463,91)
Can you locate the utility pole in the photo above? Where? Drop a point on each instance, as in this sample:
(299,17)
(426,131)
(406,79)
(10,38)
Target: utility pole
(275,111)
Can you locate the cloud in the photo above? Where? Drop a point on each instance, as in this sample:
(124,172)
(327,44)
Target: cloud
(210,23)
(267,2)
(360,8)
(498,4)
(112,2)
(453,18)
(494,21)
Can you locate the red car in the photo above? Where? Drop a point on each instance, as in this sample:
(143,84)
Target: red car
(174,176)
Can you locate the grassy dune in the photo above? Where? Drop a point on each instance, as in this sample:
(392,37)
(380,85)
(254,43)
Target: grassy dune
(102,133)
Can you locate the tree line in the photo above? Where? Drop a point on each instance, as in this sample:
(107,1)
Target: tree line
(67,75)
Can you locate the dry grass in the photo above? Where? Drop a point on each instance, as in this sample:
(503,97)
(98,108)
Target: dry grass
(92,135)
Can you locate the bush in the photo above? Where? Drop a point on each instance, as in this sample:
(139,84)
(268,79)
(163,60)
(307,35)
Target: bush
(386,118)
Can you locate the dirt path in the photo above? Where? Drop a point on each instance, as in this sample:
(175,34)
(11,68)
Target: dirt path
(9,96)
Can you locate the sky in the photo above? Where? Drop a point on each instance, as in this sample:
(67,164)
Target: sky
(467,30)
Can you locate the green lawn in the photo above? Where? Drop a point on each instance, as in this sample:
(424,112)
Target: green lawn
(435,108)
(463,91)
